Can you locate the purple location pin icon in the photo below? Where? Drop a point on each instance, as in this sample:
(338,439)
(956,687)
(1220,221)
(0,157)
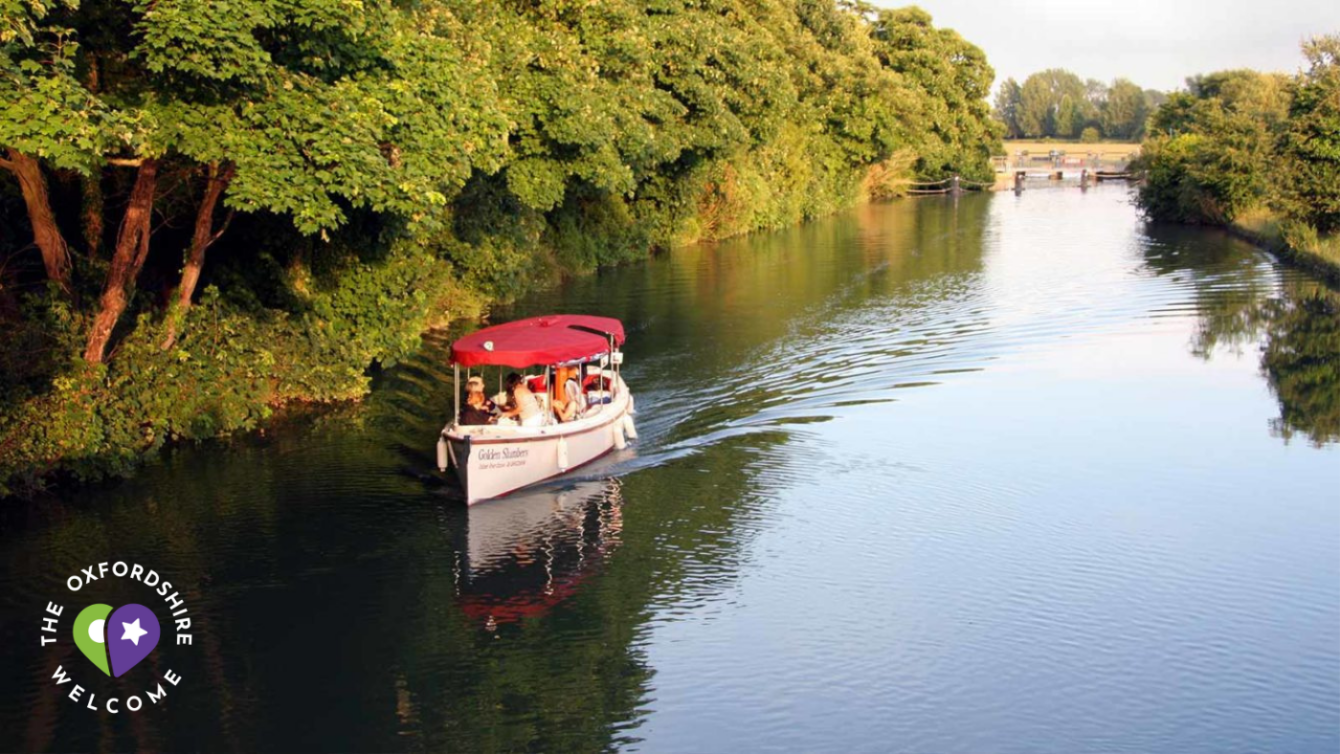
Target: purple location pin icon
(131,632)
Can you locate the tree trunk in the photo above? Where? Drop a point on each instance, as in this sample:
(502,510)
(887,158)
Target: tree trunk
(93,209)
(203,237)
(46,234)
(132,247)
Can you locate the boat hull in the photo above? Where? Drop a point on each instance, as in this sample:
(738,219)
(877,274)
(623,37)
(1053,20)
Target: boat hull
(493,461)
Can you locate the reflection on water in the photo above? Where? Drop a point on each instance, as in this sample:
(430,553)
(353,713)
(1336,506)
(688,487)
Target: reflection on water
(1000,474)
(1295,326)
(524,558)
(1302,359)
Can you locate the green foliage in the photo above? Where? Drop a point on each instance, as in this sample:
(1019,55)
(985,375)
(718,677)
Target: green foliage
(1008,108)
(1090,135)
(1056,104)
(1258,151)
(1211,150)
(1125,111)
(955,132)
(1051,102)
(44,110)
(1310,144)
(1302,361)
(225,373)
(387,162)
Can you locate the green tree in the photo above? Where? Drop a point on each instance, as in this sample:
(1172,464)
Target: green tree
(1211,148)
(294,108)
(355,169)
(47,116)
(1125,111)
(1040,102)
(1007,108)
(953,130)
(1309,188)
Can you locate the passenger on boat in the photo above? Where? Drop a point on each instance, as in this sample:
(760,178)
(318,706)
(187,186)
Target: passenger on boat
(521,403)
(477,409)
(572,402)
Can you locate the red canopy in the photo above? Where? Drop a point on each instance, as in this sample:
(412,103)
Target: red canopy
(539,340)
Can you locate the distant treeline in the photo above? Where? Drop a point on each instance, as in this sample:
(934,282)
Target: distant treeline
(1056,103)
(208,209)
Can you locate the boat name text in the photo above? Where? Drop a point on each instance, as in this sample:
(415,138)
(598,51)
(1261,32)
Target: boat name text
(494,454)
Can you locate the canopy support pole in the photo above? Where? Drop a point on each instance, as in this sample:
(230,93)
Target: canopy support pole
(456,391)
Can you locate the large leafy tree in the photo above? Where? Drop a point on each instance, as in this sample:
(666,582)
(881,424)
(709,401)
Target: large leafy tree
(1042,98)
(1310,145)
(47,115)
(298,108)
(1125,111)
(954,131)
(1211,148)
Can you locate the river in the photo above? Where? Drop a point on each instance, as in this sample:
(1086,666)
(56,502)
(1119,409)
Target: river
(1006,473)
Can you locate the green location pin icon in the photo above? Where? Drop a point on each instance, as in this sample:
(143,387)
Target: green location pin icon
(90,634)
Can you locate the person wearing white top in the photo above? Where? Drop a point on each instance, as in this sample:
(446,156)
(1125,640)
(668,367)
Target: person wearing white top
(521,404)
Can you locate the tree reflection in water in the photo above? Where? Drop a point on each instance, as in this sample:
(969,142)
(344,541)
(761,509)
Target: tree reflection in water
(1298,331)
(1301,359)
(1295,323)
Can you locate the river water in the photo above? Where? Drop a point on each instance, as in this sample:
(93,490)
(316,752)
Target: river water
(1007,473)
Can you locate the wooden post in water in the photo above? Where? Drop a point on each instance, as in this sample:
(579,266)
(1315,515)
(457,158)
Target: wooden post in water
(1019,181)
(954,187)
(1084,179)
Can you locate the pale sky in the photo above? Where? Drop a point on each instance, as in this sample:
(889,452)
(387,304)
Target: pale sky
(1155,43)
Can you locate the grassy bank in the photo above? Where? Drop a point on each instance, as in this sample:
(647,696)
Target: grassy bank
(1293,242)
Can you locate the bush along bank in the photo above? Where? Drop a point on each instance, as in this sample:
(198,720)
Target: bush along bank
(1256,153)
(209,212)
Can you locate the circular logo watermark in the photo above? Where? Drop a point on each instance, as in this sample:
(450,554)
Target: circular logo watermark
(115,639)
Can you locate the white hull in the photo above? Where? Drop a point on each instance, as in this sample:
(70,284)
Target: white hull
(491,460)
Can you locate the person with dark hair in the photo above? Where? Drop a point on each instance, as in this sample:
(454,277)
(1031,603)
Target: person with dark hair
(570,402)
(477,409)
(521,403)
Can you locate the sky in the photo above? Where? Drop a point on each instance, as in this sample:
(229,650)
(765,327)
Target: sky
(1155,43)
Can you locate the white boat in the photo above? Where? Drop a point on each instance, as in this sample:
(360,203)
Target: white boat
(491,460)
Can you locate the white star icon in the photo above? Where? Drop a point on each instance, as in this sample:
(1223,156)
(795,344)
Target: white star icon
(133,631)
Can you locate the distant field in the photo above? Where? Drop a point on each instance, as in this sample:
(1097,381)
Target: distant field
(1105,148)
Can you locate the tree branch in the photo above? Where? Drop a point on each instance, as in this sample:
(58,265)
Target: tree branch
(226,221)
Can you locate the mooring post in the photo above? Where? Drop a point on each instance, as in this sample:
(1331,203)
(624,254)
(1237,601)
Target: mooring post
(954,187)
(1084,178)
(1018,181)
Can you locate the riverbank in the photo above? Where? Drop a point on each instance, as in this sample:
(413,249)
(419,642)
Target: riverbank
(233,366)
(1292,243)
